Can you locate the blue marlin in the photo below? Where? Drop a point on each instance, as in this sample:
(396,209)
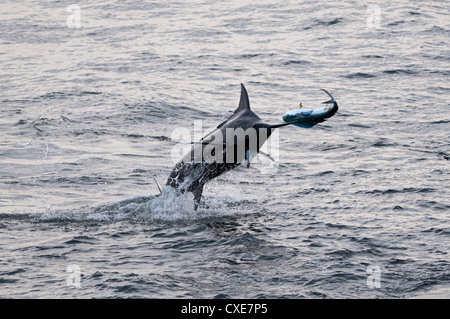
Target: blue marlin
(233,141)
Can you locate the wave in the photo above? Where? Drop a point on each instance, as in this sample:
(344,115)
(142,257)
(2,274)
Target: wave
(400,71)
(290,62)
(372,56)
(65,95)
(325,23)
(383,143)
(359,75)
(167,207)
(396,191)
(364,75)
(439,231)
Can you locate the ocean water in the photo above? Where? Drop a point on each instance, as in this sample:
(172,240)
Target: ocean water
(357,207)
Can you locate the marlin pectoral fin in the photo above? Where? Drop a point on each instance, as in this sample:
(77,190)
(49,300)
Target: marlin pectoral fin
(247,158)
(249,155)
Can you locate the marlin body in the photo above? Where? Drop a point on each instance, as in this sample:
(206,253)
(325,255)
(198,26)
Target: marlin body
(232,142)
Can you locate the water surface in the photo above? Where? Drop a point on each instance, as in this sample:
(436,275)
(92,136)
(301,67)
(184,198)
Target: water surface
(87,116)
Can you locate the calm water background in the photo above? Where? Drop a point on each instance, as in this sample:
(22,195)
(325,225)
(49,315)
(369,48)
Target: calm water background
(86,121)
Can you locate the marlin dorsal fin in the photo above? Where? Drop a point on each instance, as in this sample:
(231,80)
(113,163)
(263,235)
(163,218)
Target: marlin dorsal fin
(244,103)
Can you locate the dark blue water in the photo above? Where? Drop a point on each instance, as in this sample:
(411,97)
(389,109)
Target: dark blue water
(357,207)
